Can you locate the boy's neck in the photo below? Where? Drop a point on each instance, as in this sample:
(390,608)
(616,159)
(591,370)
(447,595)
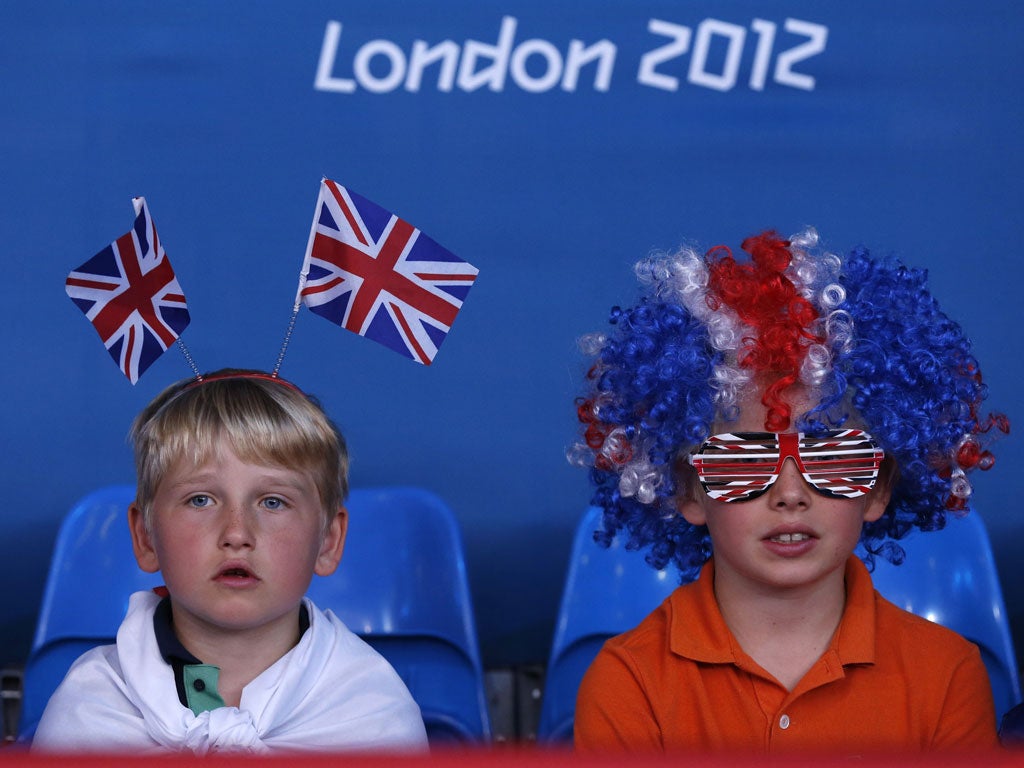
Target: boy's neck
(241,655)
(784,631)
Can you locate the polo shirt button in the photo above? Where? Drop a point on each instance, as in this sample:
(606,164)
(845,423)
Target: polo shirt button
(199,685)
(783,721)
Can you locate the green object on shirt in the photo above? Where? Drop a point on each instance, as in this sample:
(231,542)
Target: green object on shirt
(201,687)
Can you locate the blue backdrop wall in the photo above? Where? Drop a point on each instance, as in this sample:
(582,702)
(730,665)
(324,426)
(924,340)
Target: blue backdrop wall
(551,144)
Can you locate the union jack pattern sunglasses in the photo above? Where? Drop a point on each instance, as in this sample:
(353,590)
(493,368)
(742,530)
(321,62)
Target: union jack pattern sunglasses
(739,466)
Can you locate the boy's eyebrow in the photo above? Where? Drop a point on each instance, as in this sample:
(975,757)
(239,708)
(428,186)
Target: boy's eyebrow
(284,477)
(295,479)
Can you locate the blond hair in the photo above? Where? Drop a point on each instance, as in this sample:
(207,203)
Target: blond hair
(265,420)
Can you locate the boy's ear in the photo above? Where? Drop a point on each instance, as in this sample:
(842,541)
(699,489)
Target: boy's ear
(333,545)
(688,498)
(691,509)
(142,542)
(878,498)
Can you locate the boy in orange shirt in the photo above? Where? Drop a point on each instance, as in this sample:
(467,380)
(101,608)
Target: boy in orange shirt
(755,422)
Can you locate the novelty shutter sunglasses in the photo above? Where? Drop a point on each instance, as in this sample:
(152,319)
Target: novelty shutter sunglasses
(739,466)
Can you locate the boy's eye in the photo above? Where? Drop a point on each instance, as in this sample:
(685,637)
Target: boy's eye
(273,503)
(199,500)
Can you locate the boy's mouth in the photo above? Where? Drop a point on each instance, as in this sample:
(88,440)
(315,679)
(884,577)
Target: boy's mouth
(235,571)
(789,538)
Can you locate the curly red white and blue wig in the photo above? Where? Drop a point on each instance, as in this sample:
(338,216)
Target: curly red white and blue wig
(864,333)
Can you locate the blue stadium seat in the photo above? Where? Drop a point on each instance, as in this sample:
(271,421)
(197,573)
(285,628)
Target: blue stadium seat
(949,577)
(92,574)
(401,586)
(1011,729)
(607,591)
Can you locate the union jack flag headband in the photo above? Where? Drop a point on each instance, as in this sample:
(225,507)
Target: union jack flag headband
(378,276)
(365,269)
(739,466)
(129,292)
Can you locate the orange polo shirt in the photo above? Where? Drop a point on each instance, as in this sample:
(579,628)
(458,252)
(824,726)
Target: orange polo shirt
(888,681)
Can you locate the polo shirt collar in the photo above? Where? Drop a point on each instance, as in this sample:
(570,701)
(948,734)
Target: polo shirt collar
(855,639)
(167,641)
(698,631)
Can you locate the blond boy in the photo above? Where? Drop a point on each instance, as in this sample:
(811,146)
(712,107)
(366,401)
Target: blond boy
(241,482)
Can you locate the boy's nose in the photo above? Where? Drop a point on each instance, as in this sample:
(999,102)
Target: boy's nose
(790,491)
(237,530)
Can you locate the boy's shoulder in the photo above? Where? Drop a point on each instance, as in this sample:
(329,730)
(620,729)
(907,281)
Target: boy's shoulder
(91,694)
(876,630)
(899,628)
(687,623)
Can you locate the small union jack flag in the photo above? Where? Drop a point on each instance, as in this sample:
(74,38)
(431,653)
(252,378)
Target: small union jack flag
(128,291)
(376,275)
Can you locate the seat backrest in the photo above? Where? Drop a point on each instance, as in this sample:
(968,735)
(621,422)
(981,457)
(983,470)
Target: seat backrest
(607,591)
(948,577)
(92,574)
(401,586)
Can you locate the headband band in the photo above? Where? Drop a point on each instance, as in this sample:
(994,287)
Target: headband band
(200,379)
